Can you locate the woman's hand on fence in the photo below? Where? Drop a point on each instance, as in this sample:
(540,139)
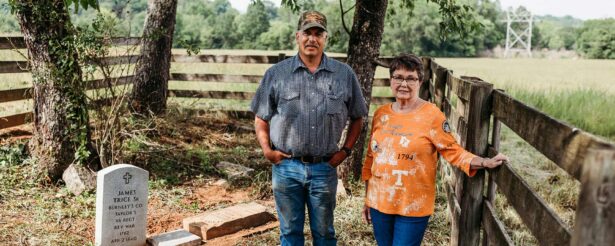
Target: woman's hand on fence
(275,156)
(495,161)
(367,218)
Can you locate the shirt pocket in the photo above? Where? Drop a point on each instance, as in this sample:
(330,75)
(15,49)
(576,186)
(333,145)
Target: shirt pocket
(335,103)
(289,104)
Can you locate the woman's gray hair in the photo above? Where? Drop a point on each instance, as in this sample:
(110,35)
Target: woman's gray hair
(407,61)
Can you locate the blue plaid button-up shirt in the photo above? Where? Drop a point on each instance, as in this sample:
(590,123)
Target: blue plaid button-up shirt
(307,112)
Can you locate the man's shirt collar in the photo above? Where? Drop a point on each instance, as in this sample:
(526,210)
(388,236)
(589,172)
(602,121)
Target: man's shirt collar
(324,63)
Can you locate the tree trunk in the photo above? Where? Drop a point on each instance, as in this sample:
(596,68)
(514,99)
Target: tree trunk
(61,131)
(363,49)
(150,91)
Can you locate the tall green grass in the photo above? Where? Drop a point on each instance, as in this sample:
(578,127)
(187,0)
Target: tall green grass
(587,109)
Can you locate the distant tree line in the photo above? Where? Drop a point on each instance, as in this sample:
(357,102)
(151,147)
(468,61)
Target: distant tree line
(215,24)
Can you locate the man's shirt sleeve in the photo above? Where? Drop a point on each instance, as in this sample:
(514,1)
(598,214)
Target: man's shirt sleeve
(356,106)
(263,104)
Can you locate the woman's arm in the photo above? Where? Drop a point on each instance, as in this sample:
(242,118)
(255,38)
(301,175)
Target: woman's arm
(480,163)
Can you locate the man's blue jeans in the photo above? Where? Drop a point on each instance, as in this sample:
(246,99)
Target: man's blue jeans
(296,184)
(398,230)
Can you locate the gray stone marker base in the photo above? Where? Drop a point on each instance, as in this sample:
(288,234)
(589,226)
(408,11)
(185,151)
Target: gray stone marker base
(235,172)
(341,191)
(79,179)
(228,220)
(179,237)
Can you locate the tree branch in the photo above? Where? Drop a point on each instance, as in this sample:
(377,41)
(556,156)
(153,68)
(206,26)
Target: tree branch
(381,63)
(344,13)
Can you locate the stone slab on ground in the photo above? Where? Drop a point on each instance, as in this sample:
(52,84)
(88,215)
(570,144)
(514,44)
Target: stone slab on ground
(79,179)
(234,171)
(228,220)
(233,239)
(179,237)
(341,191)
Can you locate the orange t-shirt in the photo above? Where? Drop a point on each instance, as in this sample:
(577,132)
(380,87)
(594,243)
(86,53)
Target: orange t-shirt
(401,162)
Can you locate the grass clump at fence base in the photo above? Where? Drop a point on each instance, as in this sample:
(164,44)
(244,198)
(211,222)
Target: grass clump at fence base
(587,109)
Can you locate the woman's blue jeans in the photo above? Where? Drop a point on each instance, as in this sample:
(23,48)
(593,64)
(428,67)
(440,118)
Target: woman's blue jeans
(296,185)
(398,230)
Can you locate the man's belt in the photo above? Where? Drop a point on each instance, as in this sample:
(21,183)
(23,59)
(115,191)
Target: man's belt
(312,159)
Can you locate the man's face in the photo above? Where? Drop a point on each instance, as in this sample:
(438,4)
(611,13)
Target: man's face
(311,42)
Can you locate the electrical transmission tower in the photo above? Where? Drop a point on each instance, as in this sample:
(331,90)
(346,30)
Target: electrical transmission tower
(518,36)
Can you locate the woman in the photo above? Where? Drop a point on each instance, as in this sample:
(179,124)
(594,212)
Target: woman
(400,167)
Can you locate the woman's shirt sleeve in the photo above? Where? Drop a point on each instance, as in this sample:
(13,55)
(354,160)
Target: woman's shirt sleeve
(445,143)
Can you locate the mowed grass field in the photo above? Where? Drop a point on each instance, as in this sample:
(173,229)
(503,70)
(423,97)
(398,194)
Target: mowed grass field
(580,92)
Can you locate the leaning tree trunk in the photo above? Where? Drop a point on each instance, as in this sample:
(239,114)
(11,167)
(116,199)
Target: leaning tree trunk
(363,50)
(149,94)
(61,132)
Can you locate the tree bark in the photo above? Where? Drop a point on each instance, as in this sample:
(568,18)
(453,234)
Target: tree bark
(61,131)
(363,49)
(150,91)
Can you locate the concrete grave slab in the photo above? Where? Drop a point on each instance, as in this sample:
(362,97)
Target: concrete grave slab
(228,220)
(179,237)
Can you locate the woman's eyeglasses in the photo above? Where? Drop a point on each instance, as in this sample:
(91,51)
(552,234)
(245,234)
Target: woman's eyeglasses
(409,80)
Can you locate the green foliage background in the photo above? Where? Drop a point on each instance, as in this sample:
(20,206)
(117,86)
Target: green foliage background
(215,24)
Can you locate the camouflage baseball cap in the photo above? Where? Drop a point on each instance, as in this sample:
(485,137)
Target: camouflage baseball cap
(311,19)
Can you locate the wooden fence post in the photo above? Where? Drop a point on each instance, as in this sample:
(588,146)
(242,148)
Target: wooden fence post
(491,185)
(426,89)
(439,85)
(595,217)
(477,139)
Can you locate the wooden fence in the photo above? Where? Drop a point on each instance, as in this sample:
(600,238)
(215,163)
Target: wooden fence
(480,109)
(477,110)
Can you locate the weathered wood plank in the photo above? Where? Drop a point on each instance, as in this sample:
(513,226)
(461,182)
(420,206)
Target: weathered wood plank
(461,87)
(216,77)
(382,100)
(13,67)
(12,43)
(477,139)
(242,95)
(102,83)
(455,211)
(595,216)
(15,94)
(425,92)
(246,59)
(24,93)
(15,120)
(382,82)
(115,60)
(494,229)
(22,66)
(563,144)
(212,94)
(539,218)
(19,43)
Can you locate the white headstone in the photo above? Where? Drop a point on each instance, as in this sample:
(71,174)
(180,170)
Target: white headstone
(121,205)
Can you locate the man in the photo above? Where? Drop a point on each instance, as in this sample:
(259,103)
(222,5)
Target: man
(301,108)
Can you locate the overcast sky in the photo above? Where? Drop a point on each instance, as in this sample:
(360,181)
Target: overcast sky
(582,9)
